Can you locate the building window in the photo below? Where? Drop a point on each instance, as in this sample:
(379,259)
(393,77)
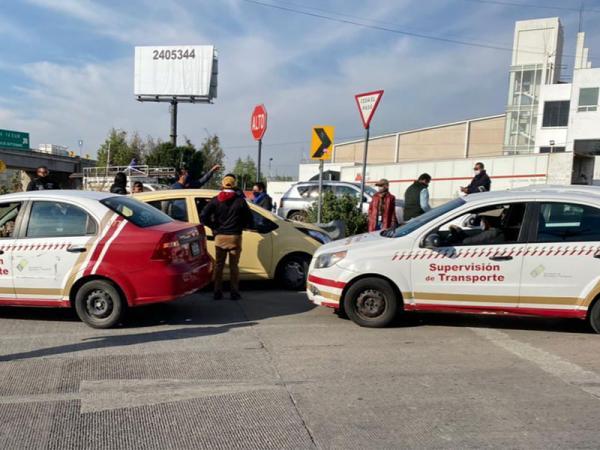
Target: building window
(552,149)
(556,114)
(588,99)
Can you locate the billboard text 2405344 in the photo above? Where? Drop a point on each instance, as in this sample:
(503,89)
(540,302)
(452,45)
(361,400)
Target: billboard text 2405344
(176,71)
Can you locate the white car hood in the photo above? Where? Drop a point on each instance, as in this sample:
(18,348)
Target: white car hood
(355,242)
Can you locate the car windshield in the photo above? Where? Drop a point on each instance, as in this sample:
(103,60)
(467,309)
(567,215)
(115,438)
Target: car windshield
(418,222)
(136,212)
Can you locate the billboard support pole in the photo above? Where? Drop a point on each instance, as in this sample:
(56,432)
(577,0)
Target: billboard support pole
(259,154)
(364,172)
(173,110)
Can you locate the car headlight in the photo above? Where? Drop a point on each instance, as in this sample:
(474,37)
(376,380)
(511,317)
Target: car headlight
(329,259)
(318,236)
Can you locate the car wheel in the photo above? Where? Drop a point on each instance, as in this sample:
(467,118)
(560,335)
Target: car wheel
(293,271)
(594,316)
(371,302)
(99,304)
(298,216)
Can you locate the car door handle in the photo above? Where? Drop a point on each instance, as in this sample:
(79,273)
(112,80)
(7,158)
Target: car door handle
(1,252)
(76,249)
(210,238)
(595,256)
(501,258)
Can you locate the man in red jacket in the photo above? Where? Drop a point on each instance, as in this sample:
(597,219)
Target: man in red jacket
(382,210)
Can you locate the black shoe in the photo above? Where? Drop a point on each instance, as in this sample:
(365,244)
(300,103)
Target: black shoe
(218,295)
(235,296)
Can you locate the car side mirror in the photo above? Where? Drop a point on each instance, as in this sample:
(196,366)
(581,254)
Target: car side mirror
(432,241)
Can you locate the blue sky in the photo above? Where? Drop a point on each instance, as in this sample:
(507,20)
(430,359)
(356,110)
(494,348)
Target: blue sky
(66,66)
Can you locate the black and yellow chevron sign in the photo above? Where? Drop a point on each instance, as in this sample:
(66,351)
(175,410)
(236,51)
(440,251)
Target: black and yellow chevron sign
(322,142)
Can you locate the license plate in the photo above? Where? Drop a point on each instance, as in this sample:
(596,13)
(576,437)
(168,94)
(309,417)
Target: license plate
(195,248)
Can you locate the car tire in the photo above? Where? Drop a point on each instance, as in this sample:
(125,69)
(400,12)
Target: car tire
(298,216)
(594,316)
(293,271)
(99,304)
(371,302)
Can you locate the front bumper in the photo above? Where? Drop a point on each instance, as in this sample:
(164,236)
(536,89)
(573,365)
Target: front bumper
(325,287)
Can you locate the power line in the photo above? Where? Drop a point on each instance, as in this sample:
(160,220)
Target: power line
(532,5)
(333,18)
(377,27)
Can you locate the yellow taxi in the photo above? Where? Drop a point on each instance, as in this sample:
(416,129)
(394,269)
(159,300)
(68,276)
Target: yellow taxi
(274,248)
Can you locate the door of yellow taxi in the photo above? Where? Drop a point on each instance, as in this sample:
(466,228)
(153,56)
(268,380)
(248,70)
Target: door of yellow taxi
(257,247)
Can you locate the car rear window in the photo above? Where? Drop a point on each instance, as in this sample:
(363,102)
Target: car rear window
(136,212)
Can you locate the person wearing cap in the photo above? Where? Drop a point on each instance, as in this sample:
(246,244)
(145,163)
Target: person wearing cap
(227,215)
(416,197)
(185,181)
(382,210)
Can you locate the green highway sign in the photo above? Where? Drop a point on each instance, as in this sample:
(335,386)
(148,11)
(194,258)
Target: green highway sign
(14,139)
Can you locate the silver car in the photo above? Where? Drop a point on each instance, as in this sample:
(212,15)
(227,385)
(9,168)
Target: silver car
(301,196)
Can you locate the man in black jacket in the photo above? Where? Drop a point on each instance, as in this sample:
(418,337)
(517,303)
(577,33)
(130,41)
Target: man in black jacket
(42,181)
(481,181)
(227,215)
(260,196)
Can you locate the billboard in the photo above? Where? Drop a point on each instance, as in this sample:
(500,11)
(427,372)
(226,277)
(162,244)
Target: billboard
(14,139)
(176,71)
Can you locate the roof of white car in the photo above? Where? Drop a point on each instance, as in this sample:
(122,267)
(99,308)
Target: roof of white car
(57,194)
(540,191)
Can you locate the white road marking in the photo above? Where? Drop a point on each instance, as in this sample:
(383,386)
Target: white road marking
(105,395)
(568,372)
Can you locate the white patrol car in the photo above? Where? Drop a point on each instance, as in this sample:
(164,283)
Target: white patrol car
(532,251)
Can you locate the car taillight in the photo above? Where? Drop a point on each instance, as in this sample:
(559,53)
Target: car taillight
(168,248)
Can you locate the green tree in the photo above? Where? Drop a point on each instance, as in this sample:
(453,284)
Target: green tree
(212,154)
(121,152)
(245,171)
(343,208)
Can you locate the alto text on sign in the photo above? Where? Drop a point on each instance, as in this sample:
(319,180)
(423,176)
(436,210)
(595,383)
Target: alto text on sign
(258,122)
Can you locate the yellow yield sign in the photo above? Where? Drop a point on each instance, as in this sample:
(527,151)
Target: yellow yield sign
(322,142)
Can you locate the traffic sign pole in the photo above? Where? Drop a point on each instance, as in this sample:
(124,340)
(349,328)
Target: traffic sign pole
(367,104)
(259,157)
(320,205)
(364,171)
(320,148)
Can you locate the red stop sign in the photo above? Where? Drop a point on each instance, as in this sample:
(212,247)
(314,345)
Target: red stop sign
(258,122)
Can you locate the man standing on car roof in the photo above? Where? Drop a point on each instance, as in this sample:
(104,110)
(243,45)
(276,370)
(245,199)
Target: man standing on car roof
(382,210)
(227,215)
(185,181)
(42,181)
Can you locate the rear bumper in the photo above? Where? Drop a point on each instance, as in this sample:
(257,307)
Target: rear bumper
(175,282)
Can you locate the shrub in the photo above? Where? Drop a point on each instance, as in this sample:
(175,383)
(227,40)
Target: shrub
(343,208)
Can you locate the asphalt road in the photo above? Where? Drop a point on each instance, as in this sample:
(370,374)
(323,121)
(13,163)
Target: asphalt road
(272,371)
